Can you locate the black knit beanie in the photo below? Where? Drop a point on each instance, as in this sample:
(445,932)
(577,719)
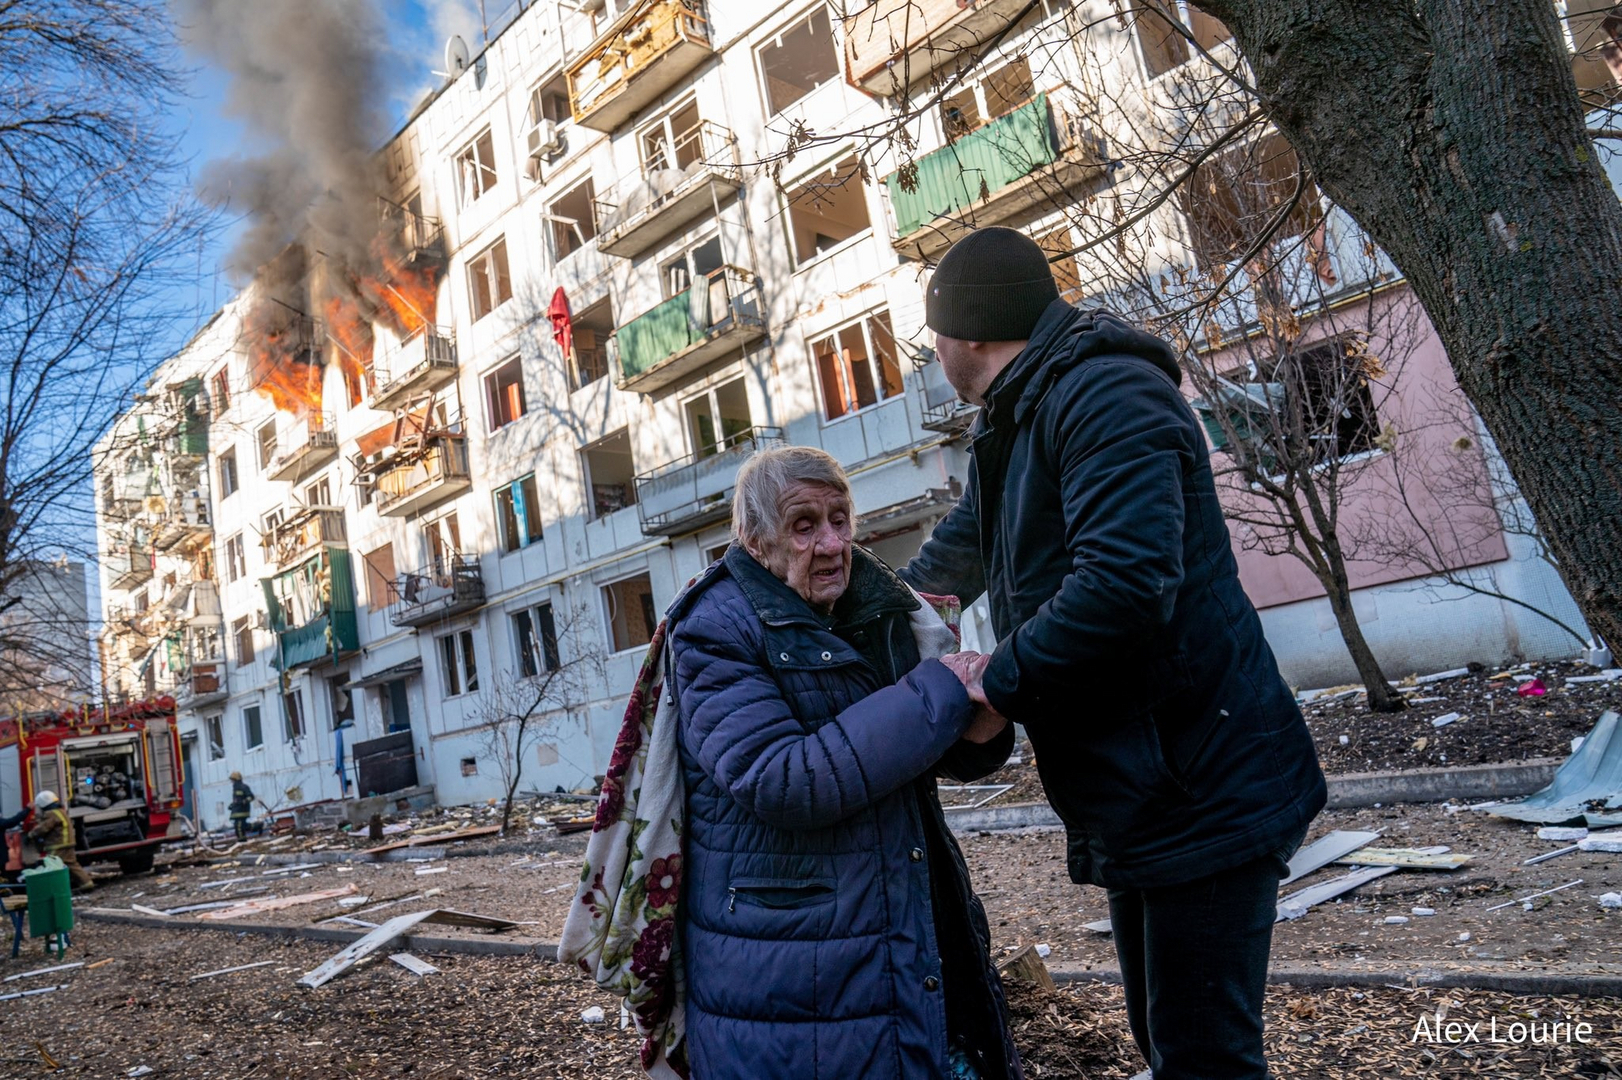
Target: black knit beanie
(993,285)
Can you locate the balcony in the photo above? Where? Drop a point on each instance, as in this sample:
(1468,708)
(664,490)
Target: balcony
(436,473)
(311,610)
(943,411)
(681,335)
(685,495)
(202,685)
(306,529)
(893,44)
(1022,160)
(648,50)
(438,593)
(669,195)
(423,362)
(129,565)
(185,524)
(419,238)
(311,444)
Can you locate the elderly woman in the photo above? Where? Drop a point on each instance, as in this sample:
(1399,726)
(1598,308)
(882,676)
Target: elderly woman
(828,925)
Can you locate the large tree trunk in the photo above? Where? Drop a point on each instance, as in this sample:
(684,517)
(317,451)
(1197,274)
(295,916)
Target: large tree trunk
(1451,130)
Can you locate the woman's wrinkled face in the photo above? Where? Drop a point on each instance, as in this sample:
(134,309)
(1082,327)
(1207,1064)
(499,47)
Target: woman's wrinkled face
(813,546)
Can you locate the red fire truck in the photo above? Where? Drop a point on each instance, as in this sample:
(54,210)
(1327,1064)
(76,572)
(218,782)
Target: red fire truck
(117,770)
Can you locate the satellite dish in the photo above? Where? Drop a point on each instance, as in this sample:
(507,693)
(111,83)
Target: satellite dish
(456,56)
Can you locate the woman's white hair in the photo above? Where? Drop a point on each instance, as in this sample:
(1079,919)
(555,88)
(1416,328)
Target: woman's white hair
(757,502)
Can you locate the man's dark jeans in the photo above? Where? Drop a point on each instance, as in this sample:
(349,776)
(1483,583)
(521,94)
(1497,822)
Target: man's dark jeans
(1194,964)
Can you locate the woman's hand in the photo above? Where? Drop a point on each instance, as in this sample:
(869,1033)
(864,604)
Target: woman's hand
(986,725)
(970,669)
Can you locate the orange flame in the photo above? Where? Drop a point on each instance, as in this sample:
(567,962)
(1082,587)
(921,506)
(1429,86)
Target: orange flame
(283,363)
(351,334)
(406,295)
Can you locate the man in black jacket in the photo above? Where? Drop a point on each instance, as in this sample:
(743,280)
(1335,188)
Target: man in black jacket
(1166,740)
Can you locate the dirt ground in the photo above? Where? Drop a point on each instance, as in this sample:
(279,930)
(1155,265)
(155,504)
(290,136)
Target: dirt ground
(511,1017)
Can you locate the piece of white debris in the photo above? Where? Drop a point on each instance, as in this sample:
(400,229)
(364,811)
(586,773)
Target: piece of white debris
(1465,936)
(1396,920)
(1577,744)
(1424,911)
(1610,845)
(1044,951)
(1445,719)
(1562,832)
(1611,900)
(141,1070)
(593,1015)
(1345,740)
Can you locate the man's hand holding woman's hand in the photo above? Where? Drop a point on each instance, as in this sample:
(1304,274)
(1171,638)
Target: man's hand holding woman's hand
(970,669)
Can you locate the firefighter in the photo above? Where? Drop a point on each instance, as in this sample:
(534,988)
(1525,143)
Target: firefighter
(54,834)
(241,804)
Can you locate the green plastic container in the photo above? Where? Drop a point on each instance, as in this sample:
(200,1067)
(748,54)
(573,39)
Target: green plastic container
(50,899)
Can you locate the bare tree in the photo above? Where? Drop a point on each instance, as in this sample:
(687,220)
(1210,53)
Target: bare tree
(559,665)
(93,235)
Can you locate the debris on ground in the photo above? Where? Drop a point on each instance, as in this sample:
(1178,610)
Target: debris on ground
(1528,899)
(392,931)
(1586,785)
(413,964)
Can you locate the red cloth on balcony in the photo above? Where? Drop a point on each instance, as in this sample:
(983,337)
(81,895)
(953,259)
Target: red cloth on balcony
(562,326)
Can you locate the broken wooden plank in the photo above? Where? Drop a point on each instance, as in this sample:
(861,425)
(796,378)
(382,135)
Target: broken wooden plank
(213,905)
(277,903)
(293,869)
(353,922)
(1325,850)
(1408,858)
(1025,965)
(229,970)
(42,971)
(438,838)
(388,933)
(100,963)
(142,909)
(1296,904)
(413,965)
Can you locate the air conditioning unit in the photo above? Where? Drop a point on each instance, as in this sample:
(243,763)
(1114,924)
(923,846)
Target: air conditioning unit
(261,620)
(545,143)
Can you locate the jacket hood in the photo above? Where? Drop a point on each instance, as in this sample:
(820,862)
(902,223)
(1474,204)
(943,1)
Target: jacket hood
(1064,337)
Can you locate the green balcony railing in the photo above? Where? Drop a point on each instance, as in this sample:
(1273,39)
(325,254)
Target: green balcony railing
(987,159)
(725,299)
(312,610)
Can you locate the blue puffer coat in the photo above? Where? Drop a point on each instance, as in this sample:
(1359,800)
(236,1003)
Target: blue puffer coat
(815,947)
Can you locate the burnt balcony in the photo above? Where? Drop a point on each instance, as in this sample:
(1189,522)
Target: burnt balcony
(417,237)
(129,564)
(685,495)
(646,52)
(1017,163)
(432,474)
(891,45)
(422,363)
(453,586)
(720,313)
(305,529)
(683,182)
(185,524)
(310,444)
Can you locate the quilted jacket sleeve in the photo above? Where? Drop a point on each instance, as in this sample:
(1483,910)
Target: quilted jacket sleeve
(741,732)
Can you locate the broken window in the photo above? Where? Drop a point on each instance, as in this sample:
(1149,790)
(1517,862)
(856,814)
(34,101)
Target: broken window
(488,279)
(442,539)
(457,663)
(535,636)
(228,473)
(379,576)
(318,493)
(1337,403)
(236,563)
(857,365)
(610,475)
(592,330)
(267,444)
(695,264)
(827,209)
(1233,200)
(1164,28)
(518,513)
(253,734)
(630,613)
(221,386)
(343,702)
(215,731)
(550,101)
(798,60)
(673,141)
(504,394)
(998,94)
(293,714)
(476,168)
(718,419)
(573,218)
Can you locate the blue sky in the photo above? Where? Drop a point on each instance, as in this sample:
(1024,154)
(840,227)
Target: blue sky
(412,49)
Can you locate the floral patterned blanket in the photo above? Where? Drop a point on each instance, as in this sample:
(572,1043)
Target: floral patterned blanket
(621,928)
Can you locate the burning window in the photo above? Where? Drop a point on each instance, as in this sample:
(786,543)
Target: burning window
(827,209)
(228,473)
(504,394)
(798,60)
(379,576)
(573,218)
(457,664)
(253,734)
(488,279)
(214,730)
(857,365)
(1164,28)
(236,563)
(518,513)
(220,386)
(610,474)
(535,636)
(592,330)
(266,439)
(293,714)
(242,634)
(629,610)
(476,168)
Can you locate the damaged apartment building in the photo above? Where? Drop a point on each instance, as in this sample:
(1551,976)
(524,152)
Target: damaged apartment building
(367,505)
